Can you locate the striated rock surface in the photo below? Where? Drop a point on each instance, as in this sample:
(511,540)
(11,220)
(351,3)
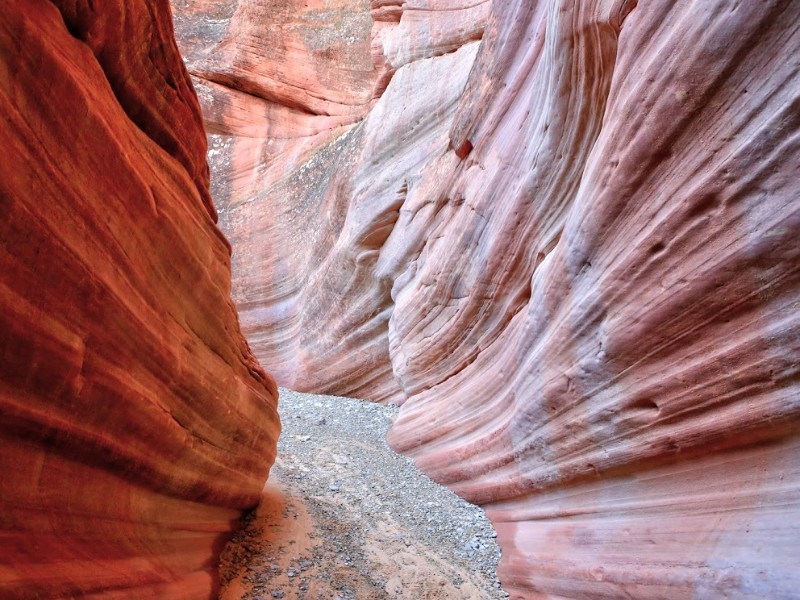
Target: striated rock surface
(311,155)
(570,249)
(135,425)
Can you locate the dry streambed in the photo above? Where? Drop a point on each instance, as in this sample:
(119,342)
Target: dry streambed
(344,517)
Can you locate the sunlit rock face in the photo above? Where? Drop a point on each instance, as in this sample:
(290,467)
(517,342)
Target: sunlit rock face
(565,236)
(135,425)
(314,159)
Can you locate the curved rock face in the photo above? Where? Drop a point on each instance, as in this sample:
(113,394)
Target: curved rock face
(570,249)
(135,425)
(312,155)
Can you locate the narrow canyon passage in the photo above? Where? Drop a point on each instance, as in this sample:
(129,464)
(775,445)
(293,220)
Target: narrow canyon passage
(344,517)
(561,236)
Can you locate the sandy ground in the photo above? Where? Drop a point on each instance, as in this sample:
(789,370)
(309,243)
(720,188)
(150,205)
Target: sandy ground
(345,518)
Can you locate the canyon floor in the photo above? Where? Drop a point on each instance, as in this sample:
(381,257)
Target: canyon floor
(343,517)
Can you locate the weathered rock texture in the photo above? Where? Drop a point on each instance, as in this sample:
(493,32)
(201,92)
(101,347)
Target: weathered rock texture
(309,198)
(570,248)
(135,425)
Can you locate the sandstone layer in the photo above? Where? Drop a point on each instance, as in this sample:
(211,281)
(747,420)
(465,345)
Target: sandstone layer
(564,235)
(135,425)
(311,154)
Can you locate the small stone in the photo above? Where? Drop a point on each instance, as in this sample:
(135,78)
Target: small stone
(277,594)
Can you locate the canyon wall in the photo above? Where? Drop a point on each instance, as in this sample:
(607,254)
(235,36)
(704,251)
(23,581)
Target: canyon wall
(313,158)
(563,234)
(135,424)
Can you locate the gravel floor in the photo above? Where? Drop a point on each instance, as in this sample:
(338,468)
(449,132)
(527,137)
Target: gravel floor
(357,520)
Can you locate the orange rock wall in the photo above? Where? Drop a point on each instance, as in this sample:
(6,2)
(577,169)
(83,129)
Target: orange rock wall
(564,235)
(135,425)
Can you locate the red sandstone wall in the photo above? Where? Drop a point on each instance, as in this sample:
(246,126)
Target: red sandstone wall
(135,425)
(564,235)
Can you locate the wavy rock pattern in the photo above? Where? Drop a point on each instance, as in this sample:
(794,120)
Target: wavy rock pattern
(135,425)
(570,249)
(297,184)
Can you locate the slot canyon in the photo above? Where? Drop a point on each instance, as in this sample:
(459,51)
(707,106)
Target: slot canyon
(559,240)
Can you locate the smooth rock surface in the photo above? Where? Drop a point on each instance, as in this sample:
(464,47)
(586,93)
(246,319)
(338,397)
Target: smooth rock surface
(570,249)
(308,198)
(135,425)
